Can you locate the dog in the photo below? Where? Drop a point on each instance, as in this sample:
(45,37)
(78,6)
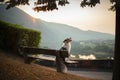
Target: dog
(60,60)
(66,45)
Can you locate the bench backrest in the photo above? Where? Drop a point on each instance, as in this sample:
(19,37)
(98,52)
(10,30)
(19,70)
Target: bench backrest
(34,50)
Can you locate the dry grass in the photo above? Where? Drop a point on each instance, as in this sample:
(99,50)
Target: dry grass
(15,69)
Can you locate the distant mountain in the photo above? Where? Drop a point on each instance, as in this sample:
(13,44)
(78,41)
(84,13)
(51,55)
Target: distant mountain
(52,33)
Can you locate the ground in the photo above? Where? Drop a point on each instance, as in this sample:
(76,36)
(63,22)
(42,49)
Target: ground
(13,68)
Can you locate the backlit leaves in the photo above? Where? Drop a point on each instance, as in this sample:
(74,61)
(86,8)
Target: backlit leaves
(50,5)
(91,3)
(40,5)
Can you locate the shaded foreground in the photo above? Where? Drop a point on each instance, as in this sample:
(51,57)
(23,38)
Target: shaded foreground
(13,68)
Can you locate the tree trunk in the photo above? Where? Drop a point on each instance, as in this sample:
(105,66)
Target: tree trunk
(116,69)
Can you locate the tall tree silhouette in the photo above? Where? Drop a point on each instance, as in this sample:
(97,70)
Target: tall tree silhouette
(50,5)
(116,72)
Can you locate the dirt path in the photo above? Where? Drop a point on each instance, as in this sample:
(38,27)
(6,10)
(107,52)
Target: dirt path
(13,68)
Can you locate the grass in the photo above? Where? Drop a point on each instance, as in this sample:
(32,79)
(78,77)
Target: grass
(13,68)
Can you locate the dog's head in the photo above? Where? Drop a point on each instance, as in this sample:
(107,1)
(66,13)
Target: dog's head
(68,40)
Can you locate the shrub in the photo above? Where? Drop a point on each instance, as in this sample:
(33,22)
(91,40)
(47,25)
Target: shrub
(13,36)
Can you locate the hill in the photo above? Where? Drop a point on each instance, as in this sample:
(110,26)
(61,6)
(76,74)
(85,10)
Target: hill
(52,33)
(13,68)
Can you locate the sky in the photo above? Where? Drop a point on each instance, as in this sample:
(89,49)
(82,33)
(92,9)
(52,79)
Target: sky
(98,18)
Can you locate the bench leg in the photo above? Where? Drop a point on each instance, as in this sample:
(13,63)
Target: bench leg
(27,60)
(60,64)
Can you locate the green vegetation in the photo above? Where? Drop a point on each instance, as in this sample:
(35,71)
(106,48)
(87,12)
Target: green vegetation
(13,36)
(102,49)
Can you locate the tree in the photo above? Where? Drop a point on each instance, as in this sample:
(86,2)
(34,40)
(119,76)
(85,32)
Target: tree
(49,5)
(116,71)
(40,5)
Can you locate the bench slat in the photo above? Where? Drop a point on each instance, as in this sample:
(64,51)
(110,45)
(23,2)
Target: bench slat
(33,50)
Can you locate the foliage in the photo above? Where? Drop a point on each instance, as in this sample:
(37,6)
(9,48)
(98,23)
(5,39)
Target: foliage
(13,36)
(101,49)
(50,5)
(40,5)
(90,3)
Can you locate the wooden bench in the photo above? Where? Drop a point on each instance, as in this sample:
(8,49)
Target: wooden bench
(26,51)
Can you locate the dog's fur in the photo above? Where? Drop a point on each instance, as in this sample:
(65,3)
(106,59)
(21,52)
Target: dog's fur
(60,60)
(66,45)
(61,67)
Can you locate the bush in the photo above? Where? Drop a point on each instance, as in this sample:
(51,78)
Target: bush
(13,36)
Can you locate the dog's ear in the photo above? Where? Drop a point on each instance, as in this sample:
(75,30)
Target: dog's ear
(65,40)
(70,39)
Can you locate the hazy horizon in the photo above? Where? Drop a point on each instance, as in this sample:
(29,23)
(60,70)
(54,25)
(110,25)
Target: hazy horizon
(98,18)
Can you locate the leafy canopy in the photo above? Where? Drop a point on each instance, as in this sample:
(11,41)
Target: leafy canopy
(50,5)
